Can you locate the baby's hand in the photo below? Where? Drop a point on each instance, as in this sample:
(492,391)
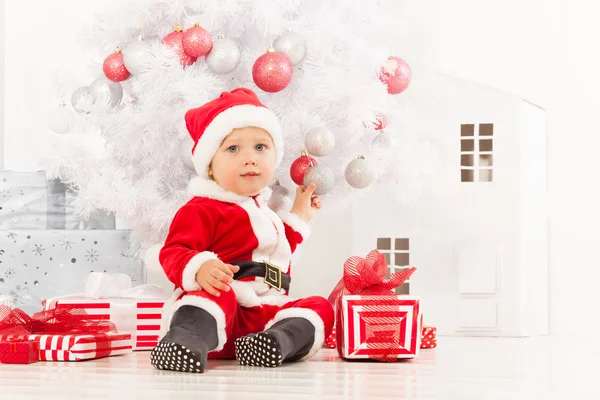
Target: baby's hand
(306,204)
(215,274)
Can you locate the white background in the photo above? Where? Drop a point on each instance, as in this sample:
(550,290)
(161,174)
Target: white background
(543,50)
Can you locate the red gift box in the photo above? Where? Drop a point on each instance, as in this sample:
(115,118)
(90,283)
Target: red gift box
(140,318)
(372,321)
(19,352)
(428,337)
(63,335)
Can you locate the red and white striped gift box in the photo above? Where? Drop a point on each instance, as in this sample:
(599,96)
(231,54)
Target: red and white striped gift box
(140,318)
(82,347)
(379,327)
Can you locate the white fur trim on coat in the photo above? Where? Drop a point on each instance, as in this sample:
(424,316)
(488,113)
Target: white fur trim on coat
(226,121)
(296,223)
(206,187)
(309,315)
(188,275)
(210,307)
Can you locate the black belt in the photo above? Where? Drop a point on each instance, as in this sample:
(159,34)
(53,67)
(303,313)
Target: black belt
(271,273)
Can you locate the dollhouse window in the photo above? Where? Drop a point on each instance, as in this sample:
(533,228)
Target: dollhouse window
(397,256)
(476,152)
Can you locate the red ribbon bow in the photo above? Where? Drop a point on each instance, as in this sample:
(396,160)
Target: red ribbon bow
(367,276)
(16,324)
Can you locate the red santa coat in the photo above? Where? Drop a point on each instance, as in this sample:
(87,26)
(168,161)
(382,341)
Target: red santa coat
(218,224)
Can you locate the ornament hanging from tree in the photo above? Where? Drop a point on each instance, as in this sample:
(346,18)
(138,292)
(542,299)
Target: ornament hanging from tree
(106,92)
(175,41)
(224,56)
(279,197)
(196,41)
(135,55)
(82,100)
(359,173)
(60,119)
(114,67)
(322,176)
(292,45)
(383,140)
(300,166)
(319,141)
(272,71)
(396,74)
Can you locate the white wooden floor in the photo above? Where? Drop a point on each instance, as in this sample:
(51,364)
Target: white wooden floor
(460,368)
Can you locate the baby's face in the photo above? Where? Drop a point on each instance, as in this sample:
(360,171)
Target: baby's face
(245,161)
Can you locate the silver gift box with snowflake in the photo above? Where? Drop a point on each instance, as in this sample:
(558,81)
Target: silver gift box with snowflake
(38,264)
(30,201)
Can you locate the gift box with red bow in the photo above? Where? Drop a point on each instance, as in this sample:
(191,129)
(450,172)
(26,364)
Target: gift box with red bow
(60,335)
(111,297)
(18,351)
(372,321)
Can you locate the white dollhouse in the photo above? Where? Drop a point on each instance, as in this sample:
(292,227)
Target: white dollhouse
(478,235)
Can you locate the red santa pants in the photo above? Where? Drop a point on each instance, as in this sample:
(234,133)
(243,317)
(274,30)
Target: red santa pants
(235,321)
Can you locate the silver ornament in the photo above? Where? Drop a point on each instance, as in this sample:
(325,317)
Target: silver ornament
(321,176)
(60,119)
(319,141)
(135,55)
(106,91)
(292,45)
(384,140)
(82,100)
(279,197)
(359,173)
(223,57)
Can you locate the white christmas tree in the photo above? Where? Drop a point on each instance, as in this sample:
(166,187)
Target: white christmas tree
(126,148)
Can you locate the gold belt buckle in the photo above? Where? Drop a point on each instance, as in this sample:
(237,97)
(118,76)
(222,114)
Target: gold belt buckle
(273,275)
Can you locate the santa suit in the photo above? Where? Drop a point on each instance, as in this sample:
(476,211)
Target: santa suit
(217,224)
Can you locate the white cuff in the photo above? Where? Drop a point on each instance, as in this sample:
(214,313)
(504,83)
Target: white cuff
(188,276)
(296,223)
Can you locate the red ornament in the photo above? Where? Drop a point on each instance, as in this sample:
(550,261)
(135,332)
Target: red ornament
(300,166)
(114,67)
(175,40)
(396,74)
(196,41)
(272,71)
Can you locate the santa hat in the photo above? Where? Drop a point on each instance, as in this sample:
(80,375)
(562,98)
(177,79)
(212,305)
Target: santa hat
(209,125)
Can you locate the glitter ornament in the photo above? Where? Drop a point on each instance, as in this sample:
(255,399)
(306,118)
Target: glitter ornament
(175,41)
(60,119)
(359,173)
(292,45)
(300,166)
(224,56)
(82,100)
(319,141)
(196,41)
(321,176)
(106,92)
(135,54)
(114,67)
(272,71)
(279,197)
(396,74)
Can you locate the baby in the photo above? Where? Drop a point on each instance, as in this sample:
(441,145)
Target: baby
(229,255)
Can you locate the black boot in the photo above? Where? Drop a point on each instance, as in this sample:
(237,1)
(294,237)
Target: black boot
(192,334)
(288,340)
